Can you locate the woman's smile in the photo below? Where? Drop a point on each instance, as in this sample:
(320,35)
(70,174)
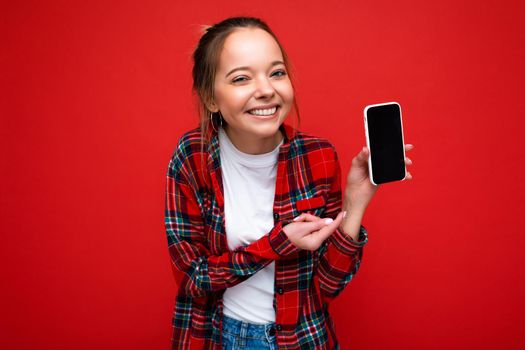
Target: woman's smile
(264,114)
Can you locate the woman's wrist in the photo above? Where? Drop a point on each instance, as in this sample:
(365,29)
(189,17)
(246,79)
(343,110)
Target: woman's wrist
(351,224)
(352,206)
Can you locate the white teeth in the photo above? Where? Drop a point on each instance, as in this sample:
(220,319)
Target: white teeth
(263,111)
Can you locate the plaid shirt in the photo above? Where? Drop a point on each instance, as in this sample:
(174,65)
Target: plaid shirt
(308,180)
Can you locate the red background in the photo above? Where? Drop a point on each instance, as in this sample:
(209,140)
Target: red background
(95,94)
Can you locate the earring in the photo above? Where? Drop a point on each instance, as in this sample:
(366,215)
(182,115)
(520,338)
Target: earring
(211,120)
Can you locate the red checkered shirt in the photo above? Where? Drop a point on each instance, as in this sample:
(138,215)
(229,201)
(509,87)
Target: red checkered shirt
(308,180)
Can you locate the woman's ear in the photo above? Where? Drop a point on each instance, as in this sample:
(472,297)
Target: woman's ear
(212,106)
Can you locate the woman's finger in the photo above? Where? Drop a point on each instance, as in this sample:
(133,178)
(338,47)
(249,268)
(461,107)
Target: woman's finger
(324,232)
(409,176)
(315,226)
(301,217)
(408,161)
(409,147)
(307,217)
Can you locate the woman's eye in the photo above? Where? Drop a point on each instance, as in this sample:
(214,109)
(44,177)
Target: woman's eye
(238,79)
(280,71)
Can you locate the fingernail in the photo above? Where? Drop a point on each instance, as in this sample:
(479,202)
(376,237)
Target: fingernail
(296,218)
(328,221)
(344,213)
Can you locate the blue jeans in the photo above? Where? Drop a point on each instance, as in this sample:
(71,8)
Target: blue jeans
(241,335)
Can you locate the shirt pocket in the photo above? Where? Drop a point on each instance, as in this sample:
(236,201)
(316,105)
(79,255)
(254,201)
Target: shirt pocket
(314,205)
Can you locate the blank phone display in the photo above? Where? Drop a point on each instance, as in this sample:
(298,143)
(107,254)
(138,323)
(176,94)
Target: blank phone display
(386,143)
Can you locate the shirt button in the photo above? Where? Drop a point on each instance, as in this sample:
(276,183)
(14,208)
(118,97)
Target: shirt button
(279,327)
(280,291)
(276,216)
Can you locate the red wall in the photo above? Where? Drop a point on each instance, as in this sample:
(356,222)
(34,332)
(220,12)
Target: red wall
(95,95)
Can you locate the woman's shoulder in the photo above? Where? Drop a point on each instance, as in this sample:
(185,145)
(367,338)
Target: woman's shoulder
(190,137)
(189,148)
(310,143)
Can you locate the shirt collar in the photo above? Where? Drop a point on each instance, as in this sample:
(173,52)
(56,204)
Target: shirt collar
(213,163)
(213,142)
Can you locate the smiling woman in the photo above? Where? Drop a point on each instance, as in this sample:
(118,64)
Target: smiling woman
(255,263)
(235,59)
(252,90)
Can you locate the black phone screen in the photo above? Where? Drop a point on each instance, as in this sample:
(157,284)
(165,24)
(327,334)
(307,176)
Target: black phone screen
(385,136)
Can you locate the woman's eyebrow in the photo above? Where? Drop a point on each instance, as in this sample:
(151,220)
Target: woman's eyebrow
(274,63)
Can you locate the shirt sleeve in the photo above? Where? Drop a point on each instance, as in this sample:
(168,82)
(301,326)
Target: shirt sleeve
(340,256)
(197,271)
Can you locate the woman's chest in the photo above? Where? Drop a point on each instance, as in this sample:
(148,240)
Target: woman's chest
(234,218)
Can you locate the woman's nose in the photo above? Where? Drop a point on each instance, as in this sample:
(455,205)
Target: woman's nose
(263,88)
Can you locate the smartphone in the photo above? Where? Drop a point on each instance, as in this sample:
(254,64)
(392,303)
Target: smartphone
(384,138)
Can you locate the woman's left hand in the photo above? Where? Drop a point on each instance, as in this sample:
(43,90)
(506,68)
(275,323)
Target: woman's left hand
(359,188)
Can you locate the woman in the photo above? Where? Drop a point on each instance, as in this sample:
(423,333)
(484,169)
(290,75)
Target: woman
(259,239)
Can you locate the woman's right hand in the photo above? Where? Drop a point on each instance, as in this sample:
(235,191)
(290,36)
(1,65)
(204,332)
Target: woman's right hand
(309,231)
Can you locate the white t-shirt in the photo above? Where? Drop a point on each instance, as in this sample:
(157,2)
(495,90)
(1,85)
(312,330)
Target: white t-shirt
(249,191)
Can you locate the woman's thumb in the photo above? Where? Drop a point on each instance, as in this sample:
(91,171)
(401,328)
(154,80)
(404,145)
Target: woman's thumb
(362,156)
(323,223)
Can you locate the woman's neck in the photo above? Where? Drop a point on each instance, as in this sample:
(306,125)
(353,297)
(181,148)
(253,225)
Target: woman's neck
(251,144)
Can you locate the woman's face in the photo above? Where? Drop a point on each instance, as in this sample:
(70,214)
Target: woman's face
(252,89)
